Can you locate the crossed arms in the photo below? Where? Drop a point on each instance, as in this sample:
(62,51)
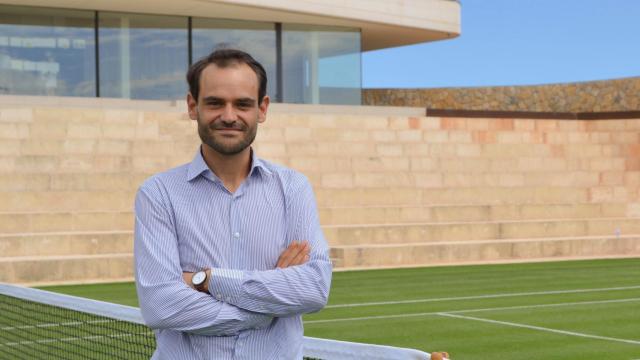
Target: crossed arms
(237,299)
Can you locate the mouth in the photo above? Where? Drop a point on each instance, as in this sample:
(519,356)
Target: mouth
(228,127)
(228,132)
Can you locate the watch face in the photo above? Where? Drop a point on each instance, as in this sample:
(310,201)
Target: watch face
(198,278)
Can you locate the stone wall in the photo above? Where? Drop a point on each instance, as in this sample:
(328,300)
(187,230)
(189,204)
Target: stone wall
(393,188)
(594,96)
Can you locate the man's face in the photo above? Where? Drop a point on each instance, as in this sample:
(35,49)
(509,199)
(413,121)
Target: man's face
(227,109)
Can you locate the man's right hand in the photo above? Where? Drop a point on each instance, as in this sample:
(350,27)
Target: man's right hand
(440,355)
(297,253)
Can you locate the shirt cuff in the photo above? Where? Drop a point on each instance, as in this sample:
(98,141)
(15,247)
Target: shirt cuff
(226,285)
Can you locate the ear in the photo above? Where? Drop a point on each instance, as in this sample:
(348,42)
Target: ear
(192,106)
(262,109)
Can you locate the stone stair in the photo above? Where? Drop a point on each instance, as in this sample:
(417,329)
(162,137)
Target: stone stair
(48,247)
(392,190)
(485,251)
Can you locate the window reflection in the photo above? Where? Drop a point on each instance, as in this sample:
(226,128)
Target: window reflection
(142,56)
(46,52)
(321,64)
(256,38)
(52,52)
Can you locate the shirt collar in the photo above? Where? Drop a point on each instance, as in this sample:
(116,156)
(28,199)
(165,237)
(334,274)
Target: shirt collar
(257,163)
(198,166)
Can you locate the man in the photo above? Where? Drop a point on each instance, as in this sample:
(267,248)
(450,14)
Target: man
(228,248)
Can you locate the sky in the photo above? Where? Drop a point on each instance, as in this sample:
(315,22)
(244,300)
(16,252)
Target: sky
(518,42)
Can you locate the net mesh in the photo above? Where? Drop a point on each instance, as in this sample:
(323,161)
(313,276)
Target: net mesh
(33,330)
(37,324)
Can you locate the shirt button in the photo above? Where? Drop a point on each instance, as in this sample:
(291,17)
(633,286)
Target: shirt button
(219,297)
(236,235)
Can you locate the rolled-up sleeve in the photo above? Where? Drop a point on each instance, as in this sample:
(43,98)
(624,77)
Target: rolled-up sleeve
(165,300)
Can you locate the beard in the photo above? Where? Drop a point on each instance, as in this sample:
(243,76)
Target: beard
(224,146)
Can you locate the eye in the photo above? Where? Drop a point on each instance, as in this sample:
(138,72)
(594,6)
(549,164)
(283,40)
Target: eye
(214,103)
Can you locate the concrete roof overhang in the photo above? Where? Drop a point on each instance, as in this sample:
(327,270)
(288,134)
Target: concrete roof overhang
(384,23)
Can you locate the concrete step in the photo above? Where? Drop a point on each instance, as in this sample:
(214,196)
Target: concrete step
(340,235)
(66,201)
(107,232)
(95,173)
(82,158)
(66,243)
(489,251)
(352,215)
(39,222)
(90,164)
(453,196)
(118,200)
(440,178)
(51,221)
(90,181)
(35,270)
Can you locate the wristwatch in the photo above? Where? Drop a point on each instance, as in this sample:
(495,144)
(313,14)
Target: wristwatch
(199,280)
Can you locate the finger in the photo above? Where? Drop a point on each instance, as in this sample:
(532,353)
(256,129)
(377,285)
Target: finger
(306,252)
(299,258)
(287,255)
(282,259)
(306,245)
(305,249)
(186,276)
(297,255)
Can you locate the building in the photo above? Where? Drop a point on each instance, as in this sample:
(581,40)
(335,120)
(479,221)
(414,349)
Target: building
(394,187)
(141,49)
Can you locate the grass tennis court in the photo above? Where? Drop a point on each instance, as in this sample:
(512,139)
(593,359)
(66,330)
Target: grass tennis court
(554,310)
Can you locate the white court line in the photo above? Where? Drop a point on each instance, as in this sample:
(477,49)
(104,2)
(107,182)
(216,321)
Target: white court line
(518,307)
(540,328)
(399,316)
(488,296)
(70,339)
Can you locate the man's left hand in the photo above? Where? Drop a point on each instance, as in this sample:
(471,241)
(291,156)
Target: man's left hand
(297,253)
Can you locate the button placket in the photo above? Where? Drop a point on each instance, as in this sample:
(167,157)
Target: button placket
(235,233)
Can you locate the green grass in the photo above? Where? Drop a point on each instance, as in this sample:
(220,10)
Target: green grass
(476,312)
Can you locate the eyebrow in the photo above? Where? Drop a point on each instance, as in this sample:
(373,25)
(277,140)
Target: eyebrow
(248,101)
(211,99)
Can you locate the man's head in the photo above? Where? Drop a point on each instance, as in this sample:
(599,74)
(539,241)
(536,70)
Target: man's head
(223,58)
(227,98)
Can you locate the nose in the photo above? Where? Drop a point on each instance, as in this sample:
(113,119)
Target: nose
(229,113)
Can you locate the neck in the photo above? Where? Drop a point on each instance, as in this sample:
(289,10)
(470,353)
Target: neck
(231,169)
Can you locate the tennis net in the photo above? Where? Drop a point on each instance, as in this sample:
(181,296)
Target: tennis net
(38,324)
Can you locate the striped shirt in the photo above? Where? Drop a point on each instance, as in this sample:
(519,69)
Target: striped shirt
(186,220)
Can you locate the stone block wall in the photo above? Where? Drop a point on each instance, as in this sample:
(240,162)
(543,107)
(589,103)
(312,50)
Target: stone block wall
(394,188)
(594,96)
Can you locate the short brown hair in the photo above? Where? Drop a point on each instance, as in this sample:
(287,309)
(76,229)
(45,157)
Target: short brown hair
(223,58)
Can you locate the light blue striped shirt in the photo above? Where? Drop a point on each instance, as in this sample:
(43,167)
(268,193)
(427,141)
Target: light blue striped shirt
(186,220)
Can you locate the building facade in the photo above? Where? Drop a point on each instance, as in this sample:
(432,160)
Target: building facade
(140,50)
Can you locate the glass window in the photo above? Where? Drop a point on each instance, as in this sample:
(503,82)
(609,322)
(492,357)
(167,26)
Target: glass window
(143,56)
(46,51)
(321,65)
(256,38)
